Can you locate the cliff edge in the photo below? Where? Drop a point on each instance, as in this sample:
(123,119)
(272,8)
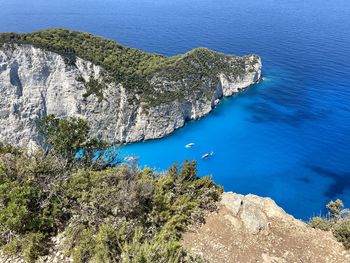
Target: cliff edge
(244,229)
(254,229)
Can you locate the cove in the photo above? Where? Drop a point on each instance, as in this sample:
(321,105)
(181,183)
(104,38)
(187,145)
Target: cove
(288,137)
(260,147)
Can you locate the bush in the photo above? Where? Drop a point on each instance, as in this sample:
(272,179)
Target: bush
(342,232)
(107,214)
(321,223)
(340,227)
(135,213)
(30,246)
(66,137)
(334,208)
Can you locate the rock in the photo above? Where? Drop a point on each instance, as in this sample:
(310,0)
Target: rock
(253,218)
(34,83)
(232,201)
(255,229)
(270,259)
(251,215)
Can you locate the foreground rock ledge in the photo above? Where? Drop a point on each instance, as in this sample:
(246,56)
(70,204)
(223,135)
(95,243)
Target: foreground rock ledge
(254,229)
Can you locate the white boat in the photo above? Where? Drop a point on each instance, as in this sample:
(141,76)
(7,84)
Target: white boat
(207,155)
(190,145)
(130,159)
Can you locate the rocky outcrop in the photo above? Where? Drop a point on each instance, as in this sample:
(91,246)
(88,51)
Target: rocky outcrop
(254,229)
(34,83)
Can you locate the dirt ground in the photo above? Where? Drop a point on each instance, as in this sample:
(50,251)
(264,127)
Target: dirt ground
(252,229)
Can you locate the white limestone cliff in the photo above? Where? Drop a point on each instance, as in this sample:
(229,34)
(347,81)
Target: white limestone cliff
(34,83)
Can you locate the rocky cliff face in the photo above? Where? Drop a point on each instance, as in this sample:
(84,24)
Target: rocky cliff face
(34,83)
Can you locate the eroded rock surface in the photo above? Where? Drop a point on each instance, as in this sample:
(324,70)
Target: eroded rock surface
(254,229)
(34,83)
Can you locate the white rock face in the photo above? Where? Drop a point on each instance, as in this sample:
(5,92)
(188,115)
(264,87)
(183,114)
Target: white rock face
(254,211)
(34,83)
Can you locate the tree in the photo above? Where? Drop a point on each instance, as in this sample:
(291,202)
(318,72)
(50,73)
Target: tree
(68,137)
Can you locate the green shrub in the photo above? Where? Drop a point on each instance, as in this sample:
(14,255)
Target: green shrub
(334,208)
(107,214)
(160,248)
(33,246)
(30,246)
(341,231)
(131,67)
(339,227)
(20,207)
(94,87)
(108,240)
(132,211)
(68,136)
(83,250)
(321,223)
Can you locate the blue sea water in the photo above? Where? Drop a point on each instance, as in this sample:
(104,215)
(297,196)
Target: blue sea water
(288,137)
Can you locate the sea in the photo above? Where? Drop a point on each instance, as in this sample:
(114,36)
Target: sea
(287,137)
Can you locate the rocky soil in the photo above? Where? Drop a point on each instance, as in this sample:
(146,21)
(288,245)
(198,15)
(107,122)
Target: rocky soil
(253,229)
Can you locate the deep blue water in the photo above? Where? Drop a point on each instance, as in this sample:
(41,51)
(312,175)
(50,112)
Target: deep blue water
(287,138)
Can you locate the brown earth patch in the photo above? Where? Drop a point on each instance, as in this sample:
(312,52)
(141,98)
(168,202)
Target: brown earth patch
(253,229)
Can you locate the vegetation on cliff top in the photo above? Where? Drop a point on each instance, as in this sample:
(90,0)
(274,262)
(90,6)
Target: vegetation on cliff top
(337,220)
(107,213)
(132,67)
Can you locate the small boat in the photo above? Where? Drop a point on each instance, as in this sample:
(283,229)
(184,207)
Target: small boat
(207,155)
(190,145)
(130,159)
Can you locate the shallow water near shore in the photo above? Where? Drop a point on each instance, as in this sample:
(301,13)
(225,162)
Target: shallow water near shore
(289,136)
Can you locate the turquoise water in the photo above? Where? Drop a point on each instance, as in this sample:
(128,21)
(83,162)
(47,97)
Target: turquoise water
(288,137)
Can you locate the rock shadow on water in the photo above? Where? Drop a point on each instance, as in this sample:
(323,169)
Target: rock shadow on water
(264,112)
(304,179)
(341,181)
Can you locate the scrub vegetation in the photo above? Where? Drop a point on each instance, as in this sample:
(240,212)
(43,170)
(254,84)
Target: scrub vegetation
(135,69)
(105,210)
(337,221)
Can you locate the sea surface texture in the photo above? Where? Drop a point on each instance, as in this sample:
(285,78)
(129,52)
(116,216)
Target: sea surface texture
(287,138)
